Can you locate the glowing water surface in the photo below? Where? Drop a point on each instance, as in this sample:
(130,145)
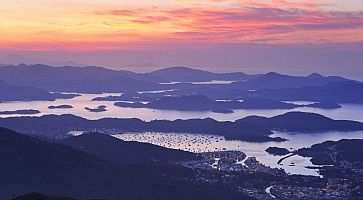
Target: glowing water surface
(349,111)
(200,143)
(206,143)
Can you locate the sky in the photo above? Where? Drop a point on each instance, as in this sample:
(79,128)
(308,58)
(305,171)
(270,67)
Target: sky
(291,36)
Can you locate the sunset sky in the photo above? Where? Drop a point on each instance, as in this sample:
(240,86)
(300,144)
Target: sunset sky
(296,36)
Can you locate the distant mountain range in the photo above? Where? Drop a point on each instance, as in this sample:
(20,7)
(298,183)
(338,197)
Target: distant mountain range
(314,87)
(53,126)
(75,79)
(15,59)
(340,92)
(184,74)
(203,103)
(10,92)
(274,80)
(302,122)
(253,128)
(97,79)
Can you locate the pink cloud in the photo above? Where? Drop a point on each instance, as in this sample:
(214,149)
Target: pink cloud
(250,20)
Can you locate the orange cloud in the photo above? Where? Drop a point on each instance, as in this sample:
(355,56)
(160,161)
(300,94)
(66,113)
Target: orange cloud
(255,23)
(275,21)
(283,4)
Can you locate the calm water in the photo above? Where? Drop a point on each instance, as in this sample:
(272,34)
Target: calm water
(349,111)
(206,143)
(213,82)
(202,143)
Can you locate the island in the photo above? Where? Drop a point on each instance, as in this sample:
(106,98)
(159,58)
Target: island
(325,105)
(274,86)
(203,103)
(253,129)
(334,152)
(223,111)
(60,107)
(20,112)
(339,92)
(58,126)
(302,122)
(340,162)
(98,109)
(11,92)
(109,98)
(277,151)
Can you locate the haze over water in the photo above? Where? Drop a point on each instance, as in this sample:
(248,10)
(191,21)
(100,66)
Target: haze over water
(347,112)
(204,143)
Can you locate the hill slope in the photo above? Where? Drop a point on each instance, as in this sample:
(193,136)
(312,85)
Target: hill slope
(124,153)
(75,79)
(32,165)
(185,74)
(302,122)
(10,92)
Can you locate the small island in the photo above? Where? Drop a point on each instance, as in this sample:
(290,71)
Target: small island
(303,123)
(202,103)
(20,112)
(325,105)
(60,107)
(277,151)
(223,111)
(109,98)
(98,109)
(252,129)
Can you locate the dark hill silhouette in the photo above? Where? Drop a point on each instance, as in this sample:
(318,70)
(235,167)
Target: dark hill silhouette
(302,122)
(340,160)
(251,128)
(101,108)
(203,103)
(20,112)
(274,80)
(124,153)
(29,164)
(277,151)
(98,79)
(54,126)
(230,130)
(185,74)
(76,79)
(10,92)
(339,92)
(193,102)
(38,196)
(257,103)
(60,107)
(325,105)
(349,150)
(315,75)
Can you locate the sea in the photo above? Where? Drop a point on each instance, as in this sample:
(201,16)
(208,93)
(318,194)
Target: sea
(199,142)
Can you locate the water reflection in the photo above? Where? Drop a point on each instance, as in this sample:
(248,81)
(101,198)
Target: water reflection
(349,111)
(212,82)
(206,143)
(201,143)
